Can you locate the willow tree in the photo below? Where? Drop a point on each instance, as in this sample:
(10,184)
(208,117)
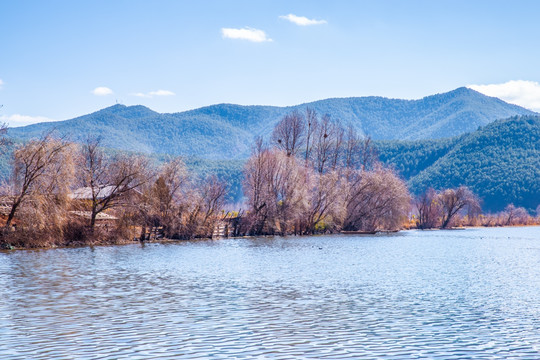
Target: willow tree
(256,187)
(274,185)
(515,215)
(322,200)
(42,172)
(454,200)
(199,209)
(374,200)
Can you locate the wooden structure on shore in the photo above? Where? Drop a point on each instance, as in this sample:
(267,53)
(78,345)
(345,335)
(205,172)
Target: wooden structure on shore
(151,233)
(228,226)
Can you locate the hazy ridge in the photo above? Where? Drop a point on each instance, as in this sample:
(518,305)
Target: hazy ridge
(226,131)
(444,140)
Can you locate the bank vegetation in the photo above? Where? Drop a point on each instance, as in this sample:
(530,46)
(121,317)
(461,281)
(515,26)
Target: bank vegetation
(314,175)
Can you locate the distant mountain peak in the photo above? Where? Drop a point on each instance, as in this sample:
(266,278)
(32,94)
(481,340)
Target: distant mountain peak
(227,130)
(459,92)
(130,111)
(464,90)
(114,107)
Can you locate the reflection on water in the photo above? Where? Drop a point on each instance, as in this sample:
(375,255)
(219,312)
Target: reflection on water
(441,294)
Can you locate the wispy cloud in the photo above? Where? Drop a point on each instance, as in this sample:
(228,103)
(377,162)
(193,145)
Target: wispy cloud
(22,120)
(102,91)
(161,93)
(302,20)
(520,92)
(247,33)
(154,93)
(1,83)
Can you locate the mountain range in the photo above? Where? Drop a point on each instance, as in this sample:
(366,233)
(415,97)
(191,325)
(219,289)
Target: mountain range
(446,140)
(227,131)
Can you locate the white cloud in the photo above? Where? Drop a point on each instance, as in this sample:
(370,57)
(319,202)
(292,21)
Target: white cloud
(247,33)
(1,83)
(161,93)
(102,91)
(154,93)
(520,92)
(22,120)
(302,20)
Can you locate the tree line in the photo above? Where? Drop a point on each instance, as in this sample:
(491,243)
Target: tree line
(61,193)
(461,207)
(314,175)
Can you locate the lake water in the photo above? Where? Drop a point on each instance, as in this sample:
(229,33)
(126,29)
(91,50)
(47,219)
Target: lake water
(464,294)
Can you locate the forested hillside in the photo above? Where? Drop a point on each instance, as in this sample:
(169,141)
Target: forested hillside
(227,131)
(409,158)
(500,162)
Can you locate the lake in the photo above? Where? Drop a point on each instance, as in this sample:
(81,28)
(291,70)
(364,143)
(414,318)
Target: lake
(463,294)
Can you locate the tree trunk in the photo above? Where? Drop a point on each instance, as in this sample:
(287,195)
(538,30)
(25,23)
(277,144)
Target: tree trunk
(446,222)
(12,212)
(93,220)
(143,233)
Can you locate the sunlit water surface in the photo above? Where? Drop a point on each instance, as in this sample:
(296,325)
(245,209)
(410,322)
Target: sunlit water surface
(435,294)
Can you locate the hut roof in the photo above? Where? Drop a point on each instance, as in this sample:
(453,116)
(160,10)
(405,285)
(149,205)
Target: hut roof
(85,193)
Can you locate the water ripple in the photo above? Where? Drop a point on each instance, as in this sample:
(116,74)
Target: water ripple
(416,295)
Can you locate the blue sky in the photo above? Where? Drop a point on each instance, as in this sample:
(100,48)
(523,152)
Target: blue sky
(61,59)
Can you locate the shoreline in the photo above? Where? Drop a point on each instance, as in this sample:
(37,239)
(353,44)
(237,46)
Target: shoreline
(172,241)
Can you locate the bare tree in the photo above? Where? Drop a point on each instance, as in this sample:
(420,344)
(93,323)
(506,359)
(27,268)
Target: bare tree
(337,146)
(168,187)
(312,123)
(515,215)
(273,185)
(374,200)
(353,146)
(429,209)
(108,181)
(323,197)
(327,145)
(454,200)
(41,167)
(368,153)
(213,192)
(289,133)
(162,198)
(287,188)
(200,209)
(256,187)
